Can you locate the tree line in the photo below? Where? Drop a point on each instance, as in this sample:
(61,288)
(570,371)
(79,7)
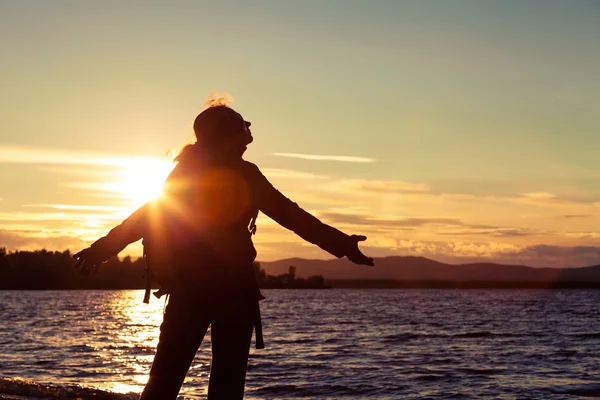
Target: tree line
(43,269)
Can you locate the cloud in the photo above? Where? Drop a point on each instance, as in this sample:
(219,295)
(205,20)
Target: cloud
(458,252)
(391,186)
(543,199)
(348,191)
(33,155)
(355,191)
(316,157)
(58,216)
(539,196)
(555,256)
(290,174)
(443,226)
(57,220)
(510,216)
(494,231)
(77,207)
(357,219)
(28,155)
(30,240)
(543,250)
(583,235)
(57,239)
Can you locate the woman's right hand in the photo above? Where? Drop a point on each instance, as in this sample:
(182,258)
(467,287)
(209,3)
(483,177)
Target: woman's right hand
(355,255)
(89,260)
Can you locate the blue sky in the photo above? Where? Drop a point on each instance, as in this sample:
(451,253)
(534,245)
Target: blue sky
(479,119)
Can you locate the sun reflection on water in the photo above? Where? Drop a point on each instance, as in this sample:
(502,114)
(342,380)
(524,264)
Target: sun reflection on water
(127,352)
(135,340)
(142,320)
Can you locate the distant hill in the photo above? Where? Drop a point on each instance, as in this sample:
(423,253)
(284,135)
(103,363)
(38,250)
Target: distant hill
(408,268)
(43,269)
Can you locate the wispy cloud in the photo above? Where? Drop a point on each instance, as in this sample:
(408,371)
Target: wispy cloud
(583,235)
(317,157)
(443,226)
(287,173)
(77,207)
(544,250)
(358,219)
(58,216)
(33,155)
(377,186)
(539,195)
(489,231)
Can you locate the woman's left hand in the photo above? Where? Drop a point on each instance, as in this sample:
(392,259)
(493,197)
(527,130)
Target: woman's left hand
(355,255)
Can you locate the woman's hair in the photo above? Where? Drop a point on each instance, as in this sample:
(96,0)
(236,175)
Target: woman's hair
(215,117)
(216,100)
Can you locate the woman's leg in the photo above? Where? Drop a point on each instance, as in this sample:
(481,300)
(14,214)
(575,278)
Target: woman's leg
(181,333)
(231,334)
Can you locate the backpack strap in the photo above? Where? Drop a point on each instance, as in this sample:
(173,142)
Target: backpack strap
(260,342)
(252,226)
(147,274)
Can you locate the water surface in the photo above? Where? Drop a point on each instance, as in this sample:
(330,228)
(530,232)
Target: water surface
(350,344)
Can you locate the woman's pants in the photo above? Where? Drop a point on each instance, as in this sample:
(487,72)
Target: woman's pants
(184,325)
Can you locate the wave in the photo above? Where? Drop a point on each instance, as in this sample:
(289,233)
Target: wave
(433,377)
(591,335)
(473,335)
(591,389)
(403,337)
(406,336)
(312,391)
(37,391)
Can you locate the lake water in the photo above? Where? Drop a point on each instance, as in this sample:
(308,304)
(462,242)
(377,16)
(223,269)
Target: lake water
(347,344)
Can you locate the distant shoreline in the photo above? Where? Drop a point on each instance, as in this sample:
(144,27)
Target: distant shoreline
(381,284)
(445,284)
(35,270)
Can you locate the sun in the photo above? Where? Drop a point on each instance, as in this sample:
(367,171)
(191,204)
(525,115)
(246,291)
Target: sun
(142,179)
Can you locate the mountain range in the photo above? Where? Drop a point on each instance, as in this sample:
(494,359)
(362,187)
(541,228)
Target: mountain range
(409,268)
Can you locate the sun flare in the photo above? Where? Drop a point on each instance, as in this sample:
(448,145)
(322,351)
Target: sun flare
(142,179)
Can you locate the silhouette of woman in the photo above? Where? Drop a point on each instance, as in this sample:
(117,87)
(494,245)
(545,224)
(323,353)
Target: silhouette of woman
(201,228)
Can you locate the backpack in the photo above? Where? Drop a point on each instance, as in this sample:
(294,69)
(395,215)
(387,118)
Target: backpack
(162,243)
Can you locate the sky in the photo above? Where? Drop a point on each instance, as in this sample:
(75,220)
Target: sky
(461,131)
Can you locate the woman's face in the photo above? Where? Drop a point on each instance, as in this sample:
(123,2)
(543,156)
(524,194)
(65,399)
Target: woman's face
(236,144)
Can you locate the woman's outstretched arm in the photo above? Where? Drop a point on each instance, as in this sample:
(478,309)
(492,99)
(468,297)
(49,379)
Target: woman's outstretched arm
(289,215)
(130,230)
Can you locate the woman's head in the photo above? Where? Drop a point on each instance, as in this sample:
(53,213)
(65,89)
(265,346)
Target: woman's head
(220,128)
